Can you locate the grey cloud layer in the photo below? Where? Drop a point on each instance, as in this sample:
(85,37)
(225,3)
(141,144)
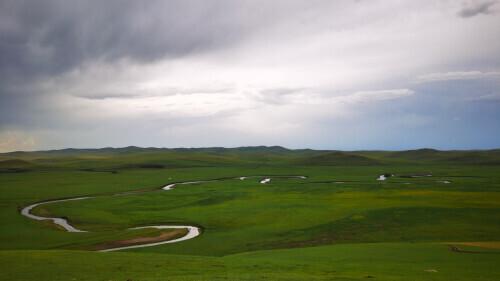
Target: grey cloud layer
(51,36)
(477,8)
(47,37)
(224,72)
(458,75)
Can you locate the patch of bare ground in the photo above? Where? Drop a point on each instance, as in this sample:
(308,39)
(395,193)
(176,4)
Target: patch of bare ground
(485,245)
(164,236)
(481,244)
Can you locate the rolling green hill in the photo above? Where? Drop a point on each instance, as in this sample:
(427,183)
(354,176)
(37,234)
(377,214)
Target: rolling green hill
(335,158)
(157,158)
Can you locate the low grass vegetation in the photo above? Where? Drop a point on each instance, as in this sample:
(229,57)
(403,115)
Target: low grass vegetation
(437,217)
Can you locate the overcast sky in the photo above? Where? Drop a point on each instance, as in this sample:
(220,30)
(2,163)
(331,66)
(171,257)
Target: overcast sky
(318,74)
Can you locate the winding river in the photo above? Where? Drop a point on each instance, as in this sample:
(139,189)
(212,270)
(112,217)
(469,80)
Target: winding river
(26,211)
(193,231)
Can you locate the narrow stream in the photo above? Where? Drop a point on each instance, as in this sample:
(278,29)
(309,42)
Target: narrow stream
(193,231)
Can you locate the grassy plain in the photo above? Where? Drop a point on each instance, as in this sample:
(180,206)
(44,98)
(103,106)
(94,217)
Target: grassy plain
(338,224)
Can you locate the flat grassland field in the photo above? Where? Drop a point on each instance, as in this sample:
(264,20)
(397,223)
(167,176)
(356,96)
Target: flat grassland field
(436,216)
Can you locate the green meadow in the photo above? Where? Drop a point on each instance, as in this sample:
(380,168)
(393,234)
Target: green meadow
(339,223)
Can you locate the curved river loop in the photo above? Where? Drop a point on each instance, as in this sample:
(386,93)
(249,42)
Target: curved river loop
(193,231)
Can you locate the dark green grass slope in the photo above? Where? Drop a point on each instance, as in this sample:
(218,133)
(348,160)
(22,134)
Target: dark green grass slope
(471,157)
(337,158)
(113,159)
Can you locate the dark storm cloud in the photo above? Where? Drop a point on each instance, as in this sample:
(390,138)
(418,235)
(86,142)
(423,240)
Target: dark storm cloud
(41,39)
(478,8)
(50,37)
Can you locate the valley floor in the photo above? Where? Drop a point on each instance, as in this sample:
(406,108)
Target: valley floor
(423,222)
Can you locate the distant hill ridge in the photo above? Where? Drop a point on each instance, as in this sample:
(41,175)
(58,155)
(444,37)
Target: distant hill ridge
(243,148)
(132,157)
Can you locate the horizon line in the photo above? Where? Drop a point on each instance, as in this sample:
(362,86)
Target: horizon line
(245,146)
